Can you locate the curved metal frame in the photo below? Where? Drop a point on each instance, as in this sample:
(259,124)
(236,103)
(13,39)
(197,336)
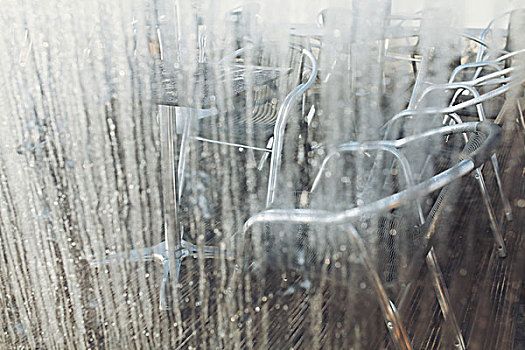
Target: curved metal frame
(496,64)
(309,216)
(514,82)
(373,146)
(483,36)
(280,127)
(462,168)
(469,86)
(321,216)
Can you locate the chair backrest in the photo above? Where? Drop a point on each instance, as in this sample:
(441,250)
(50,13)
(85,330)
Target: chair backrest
(213,147)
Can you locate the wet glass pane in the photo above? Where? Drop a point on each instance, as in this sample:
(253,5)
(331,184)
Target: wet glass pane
(262,175)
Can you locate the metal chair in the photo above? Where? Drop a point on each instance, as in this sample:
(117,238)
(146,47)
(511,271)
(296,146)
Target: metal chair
(465,166)
(176,133)
(477,101)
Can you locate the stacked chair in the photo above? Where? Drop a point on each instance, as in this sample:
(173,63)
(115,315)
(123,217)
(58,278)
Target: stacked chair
(356,214)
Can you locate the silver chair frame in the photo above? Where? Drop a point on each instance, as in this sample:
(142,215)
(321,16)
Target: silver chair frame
(346,217)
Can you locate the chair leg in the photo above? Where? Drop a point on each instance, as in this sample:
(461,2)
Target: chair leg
(496,231)
(392,319)
(497,173)
(443,298)
(426,164)
(164,297)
